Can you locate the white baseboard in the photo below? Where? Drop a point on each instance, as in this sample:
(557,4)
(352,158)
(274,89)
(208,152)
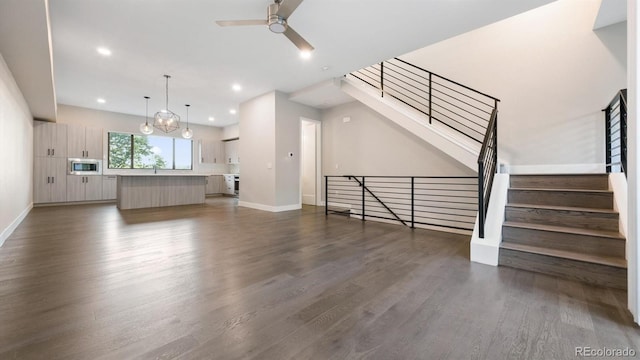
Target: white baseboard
(269,207)
(556,169)
(487,250)
(11,228)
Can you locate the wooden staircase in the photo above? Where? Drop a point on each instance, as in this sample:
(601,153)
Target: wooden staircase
(565,226)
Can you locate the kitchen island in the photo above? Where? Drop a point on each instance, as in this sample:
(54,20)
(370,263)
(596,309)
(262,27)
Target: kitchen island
(145,191)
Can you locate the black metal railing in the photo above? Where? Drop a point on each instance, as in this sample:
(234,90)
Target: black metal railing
(616,133)
(435,201)
(487,164)
(441,100)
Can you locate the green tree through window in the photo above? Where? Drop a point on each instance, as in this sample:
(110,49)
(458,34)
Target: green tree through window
(120,151)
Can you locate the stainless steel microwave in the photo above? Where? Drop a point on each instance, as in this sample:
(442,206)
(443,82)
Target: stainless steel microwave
(84,167)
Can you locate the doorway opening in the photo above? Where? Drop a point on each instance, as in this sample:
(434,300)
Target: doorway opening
(310,162)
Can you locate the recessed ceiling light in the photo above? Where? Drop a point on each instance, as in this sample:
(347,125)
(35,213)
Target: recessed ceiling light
(236,87)
(305,54)
(324,68)
(101,100)
(232,111)
(211,118)
(104,51)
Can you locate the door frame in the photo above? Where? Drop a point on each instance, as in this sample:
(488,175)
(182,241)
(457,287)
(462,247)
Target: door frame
(318,125)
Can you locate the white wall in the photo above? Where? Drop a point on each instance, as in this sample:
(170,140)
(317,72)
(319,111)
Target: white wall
(370,144)
(231,131)
(257,150)
(270,127)
(552,73)
(16,147)
(633,162)
(112,121)
(287,140)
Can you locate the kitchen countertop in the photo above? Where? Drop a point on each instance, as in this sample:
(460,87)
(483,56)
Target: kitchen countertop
(162,175)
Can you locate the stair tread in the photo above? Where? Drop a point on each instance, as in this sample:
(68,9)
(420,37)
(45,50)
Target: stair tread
(562,190)
(566,208)
(601,260)
(565,229)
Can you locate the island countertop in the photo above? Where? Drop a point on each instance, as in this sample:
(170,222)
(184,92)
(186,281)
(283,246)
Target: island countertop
(136,191)
(160,175)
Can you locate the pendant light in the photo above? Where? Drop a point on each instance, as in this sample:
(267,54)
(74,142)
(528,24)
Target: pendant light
(165,119)
(146,128)
(187,133)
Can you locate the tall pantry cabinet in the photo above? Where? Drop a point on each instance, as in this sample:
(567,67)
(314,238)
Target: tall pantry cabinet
(50,162)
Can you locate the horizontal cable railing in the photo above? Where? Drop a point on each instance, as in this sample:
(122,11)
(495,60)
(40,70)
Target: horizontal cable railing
(616,133)
(441,100)
(435,201)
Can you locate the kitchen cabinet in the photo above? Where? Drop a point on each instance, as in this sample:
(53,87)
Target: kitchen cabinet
(109,186)
(84,142)
(49,180)
(229,185)
(231,151)
(214,184)
(49,139)
(211,152)
(84,188)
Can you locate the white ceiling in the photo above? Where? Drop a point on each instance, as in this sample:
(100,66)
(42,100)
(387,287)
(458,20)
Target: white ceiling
(25,46)
(611,12)
(150,38)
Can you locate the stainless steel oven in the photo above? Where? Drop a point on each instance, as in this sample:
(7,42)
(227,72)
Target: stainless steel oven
(236,182)
(84,167)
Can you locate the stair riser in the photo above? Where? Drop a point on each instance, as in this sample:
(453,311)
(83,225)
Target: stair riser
(589,182)
(576,219)
(562,198)
(596,274)
(584,244)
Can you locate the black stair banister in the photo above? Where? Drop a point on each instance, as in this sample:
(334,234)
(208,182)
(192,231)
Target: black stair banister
(616,133)
(364,187)
(472,113)
(487,163)
(442,100)
(436,201)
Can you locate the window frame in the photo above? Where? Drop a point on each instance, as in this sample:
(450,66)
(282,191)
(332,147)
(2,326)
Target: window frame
(132,145)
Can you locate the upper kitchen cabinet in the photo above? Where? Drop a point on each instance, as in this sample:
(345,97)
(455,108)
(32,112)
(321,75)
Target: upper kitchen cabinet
(49,139)
(231,152)
(211,152)
(84,142)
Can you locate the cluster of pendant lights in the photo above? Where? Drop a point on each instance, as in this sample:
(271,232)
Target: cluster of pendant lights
(165,119)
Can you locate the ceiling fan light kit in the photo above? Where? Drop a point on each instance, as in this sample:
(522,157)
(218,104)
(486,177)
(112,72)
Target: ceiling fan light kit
(278,14)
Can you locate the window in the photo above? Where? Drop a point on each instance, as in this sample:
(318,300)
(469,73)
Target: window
(130,151)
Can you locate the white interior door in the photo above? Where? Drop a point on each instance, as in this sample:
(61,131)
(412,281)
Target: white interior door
(309,159)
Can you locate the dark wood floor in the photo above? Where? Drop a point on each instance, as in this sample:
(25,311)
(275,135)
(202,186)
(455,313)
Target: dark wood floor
(221,282)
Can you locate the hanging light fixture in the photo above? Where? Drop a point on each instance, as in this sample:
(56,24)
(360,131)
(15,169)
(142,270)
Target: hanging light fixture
(146,128)
(165,119)
(187,133)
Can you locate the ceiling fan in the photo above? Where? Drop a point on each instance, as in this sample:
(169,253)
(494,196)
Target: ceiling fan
(277,20)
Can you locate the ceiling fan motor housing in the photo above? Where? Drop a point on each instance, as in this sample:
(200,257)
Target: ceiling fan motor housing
(277,24)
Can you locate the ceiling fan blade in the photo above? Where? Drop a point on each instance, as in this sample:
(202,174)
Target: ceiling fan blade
(297,40)
(240,22)
(287,7)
